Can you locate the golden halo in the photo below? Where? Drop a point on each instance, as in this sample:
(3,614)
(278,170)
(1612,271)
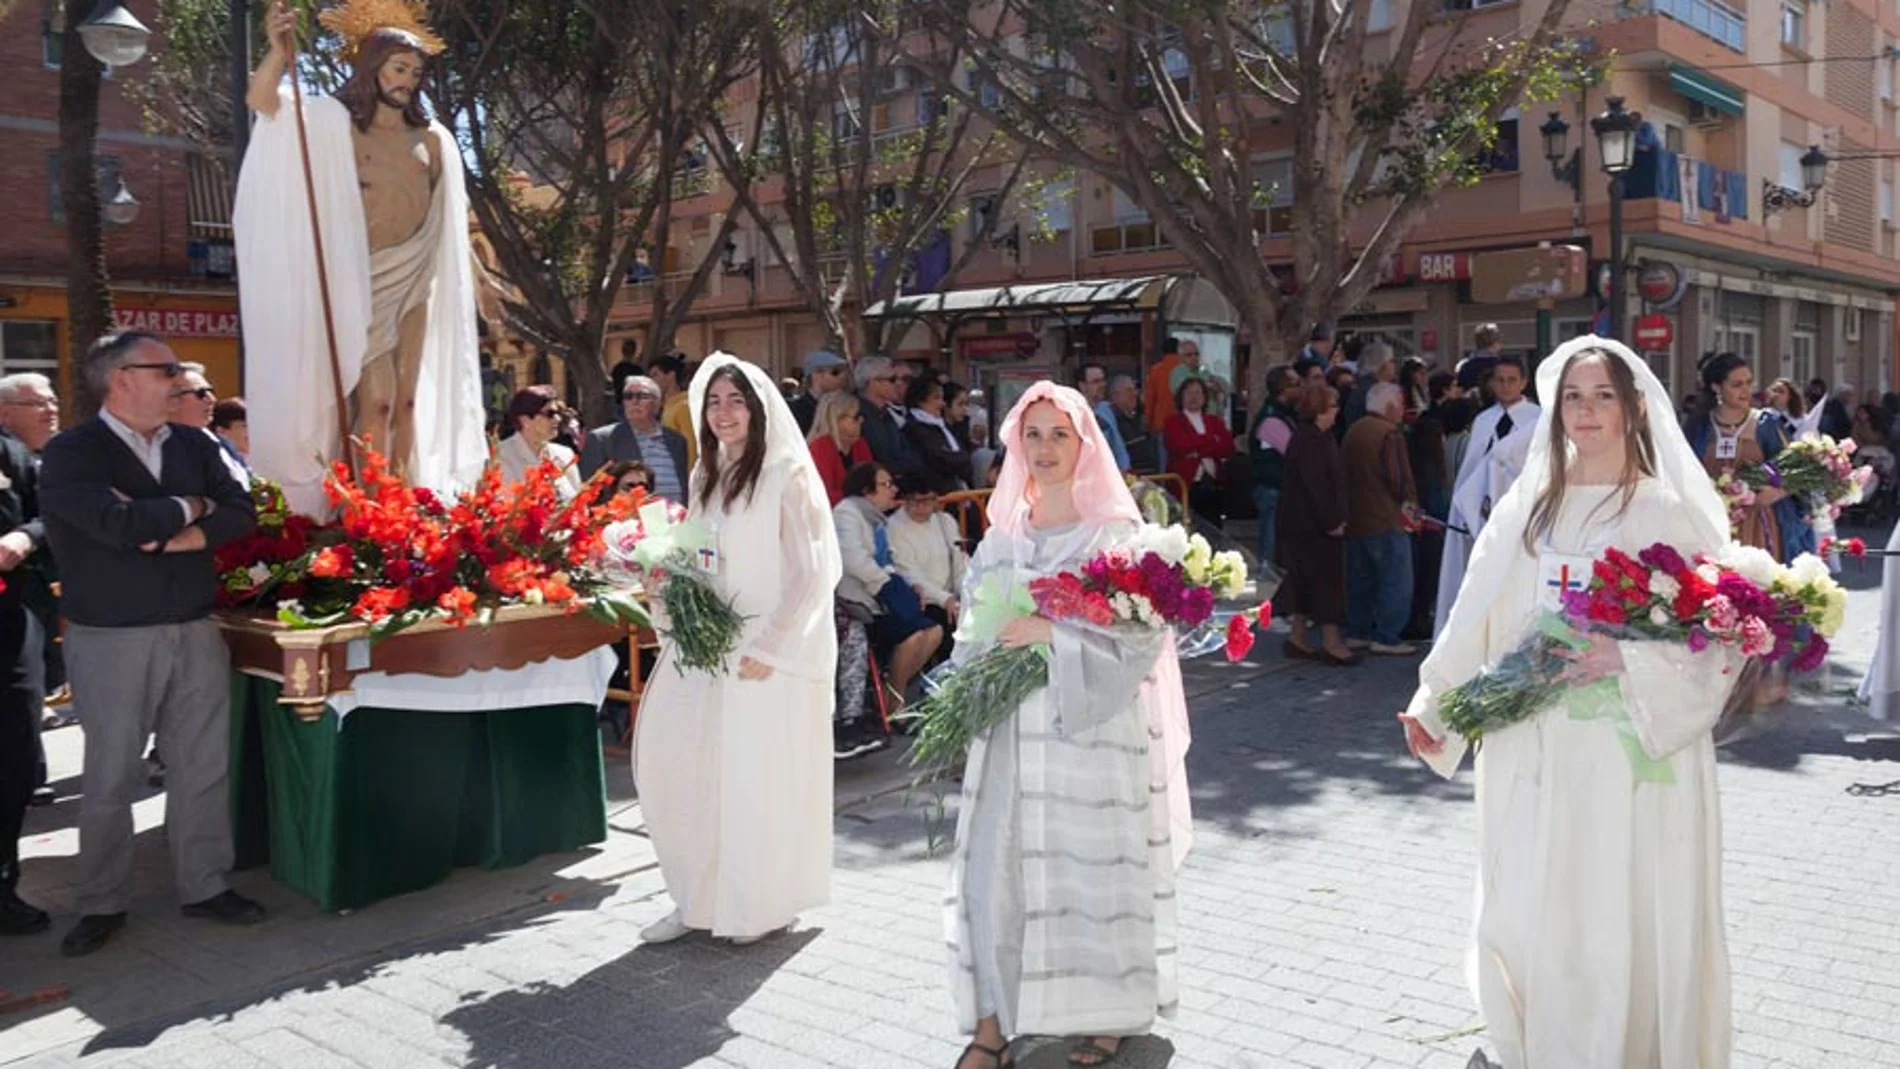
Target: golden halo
(356,20)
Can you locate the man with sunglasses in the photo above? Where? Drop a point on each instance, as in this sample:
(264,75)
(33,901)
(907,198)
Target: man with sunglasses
(825,372)
(193,403)
(880,397)
(638,436)
(133,506)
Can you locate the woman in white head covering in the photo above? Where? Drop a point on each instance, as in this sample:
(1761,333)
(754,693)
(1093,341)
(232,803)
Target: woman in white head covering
(1599,938)
(734,769)
(1074,816)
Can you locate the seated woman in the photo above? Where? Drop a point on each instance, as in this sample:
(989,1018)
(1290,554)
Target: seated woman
(901,634)
(533,420)
(625,475)
(837,441)
(929,550)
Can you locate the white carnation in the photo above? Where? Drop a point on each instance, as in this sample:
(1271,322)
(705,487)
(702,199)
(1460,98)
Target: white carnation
(257,573)
(1169,543)
(1808,570)
(1664,585)
(1749,562)
(1659,616)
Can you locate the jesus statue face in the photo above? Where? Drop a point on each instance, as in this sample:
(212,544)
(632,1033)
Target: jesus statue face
(399,79)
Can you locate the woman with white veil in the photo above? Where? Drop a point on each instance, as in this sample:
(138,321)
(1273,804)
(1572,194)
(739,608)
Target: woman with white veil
(1074,812)
(1599,940)
(734,768)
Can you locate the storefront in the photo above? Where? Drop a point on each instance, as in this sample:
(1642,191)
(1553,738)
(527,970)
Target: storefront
(200,326)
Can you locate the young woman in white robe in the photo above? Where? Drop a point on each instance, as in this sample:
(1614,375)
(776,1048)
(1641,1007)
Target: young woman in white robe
(1880,687)
(734,769)
(1074,816)
(1599,939)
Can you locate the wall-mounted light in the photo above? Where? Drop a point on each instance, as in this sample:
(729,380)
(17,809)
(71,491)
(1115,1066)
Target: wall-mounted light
(1776,198)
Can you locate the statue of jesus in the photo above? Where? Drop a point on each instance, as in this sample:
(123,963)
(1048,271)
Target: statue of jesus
(383,189)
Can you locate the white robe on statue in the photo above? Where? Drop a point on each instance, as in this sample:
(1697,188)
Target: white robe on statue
(1880,687)
(735,775)
(1490,466)
(287,379)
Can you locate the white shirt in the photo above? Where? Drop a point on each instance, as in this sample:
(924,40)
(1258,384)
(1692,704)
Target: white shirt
(151,453)
(928,554)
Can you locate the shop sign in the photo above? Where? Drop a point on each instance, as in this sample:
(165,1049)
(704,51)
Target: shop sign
(1391,301)
(1442,267)
(178,322)
(1556,273)
(1661,284)
(1654,332)
(1020,344)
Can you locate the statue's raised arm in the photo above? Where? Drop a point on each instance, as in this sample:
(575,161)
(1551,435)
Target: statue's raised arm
(280,27)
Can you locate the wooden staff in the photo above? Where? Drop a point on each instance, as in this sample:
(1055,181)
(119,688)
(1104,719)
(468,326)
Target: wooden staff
(323,268)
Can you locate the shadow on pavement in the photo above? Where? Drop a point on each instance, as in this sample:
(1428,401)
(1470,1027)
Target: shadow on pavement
(658,1007)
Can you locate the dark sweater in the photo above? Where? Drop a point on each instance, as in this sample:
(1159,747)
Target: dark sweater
(108,581)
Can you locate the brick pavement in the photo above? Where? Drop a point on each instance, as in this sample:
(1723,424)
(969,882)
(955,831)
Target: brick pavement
(1324,913)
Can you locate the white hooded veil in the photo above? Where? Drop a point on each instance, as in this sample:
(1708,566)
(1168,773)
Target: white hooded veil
(1678,469)
(783,445)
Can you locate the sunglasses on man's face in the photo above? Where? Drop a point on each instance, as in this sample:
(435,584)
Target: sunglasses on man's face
(202,393)
(171,370)
(640,397)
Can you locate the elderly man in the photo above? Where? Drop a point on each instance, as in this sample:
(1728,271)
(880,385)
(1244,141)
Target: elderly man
(1375,366)
(880,395)
(639,436)
(29,414)
(825,372)
(194,403)
(1380,497)
(1091,381)
(1124,407)
(29,409)
(134,506)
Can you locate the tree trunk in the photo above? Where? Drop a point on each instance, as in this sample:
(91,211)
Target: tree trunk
(88,287)
(589,375)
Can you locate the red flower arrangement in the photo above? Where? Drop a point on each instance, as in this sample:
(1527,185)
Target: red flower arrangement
(397,554)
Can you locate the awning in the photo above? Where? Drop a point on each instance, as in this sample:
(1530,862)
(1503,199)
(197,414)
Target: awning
(1704,88)
(207,198)
(1180,298)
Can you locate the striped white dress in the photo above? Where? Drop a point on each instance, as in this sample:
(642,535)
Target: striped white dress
(1061,911)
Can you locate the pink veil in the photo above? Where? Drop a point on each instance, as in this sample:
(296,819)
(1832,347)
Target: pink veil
(1101,495)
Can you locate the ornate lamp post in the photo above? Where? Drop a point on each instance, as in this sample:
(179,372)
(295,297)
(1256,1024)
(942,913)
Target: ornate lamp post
(1616,148)
(1775,197)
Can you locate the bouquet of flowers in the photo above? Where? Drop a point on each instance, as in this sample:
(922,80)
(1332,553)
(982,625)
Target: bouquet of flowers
(1740,598)
(666,550)
(1838,547)
(1163,578)
(1817,469)
(397,554)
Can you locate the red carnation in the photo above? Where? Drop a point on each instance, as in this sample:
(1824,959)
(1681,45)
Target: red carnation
(1239,637)
(378,602)
(333,562)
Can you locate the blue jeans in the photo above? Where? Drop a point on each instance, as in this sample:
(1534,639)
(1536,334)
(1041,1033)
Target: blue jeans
(1378,586)
(1267,500)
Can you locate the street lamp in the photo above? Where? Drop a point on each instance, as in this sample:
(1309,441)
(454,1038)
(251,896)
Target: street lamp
(1565,166)
(1775,198)
(115,37)
(1616,153)
(123,208)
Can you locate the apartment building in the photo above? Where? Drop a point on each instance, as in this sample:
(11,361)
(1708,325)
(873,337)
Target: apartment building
(170,261)
(1732,96)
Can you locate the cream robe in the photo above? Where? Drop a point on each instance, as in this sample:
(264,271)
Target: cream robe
(735,775)
(1599,939)
(1880,687)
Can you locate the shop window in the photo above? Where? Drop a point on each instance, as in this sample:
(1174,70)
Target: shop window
(1132,230)
(29,345)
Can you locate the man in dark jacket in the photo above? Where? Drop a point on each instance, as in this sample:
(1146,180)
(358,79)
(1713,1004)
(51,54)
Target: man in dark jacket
(22,665)
(639,436)
(880,393)
(134,506)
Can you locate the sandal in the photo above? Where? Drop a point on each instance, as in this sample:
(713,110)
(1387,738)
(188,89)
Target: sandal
(1293,651)
(1092,1055)
(999,1056)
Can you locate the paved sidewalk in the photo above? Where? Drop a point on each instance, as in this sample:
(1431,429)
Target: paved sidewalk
(1324,914)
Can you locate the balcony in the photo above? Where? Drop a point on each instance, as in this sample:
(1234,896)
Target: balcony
(1710,18)
(1658,175)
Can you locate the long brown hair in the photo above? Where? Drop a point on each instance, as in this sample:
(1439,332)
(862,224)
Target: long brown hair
(1797,404)
(361,93)
(1639,457)
(743,478)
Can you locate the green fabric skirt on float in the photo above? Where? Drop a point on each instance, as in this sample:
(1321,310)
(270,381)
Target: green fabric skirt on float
(384,801)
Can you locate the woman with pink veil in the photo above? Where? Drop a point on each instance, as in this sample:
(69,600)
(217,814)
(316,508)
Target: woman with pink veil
(1074,811)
